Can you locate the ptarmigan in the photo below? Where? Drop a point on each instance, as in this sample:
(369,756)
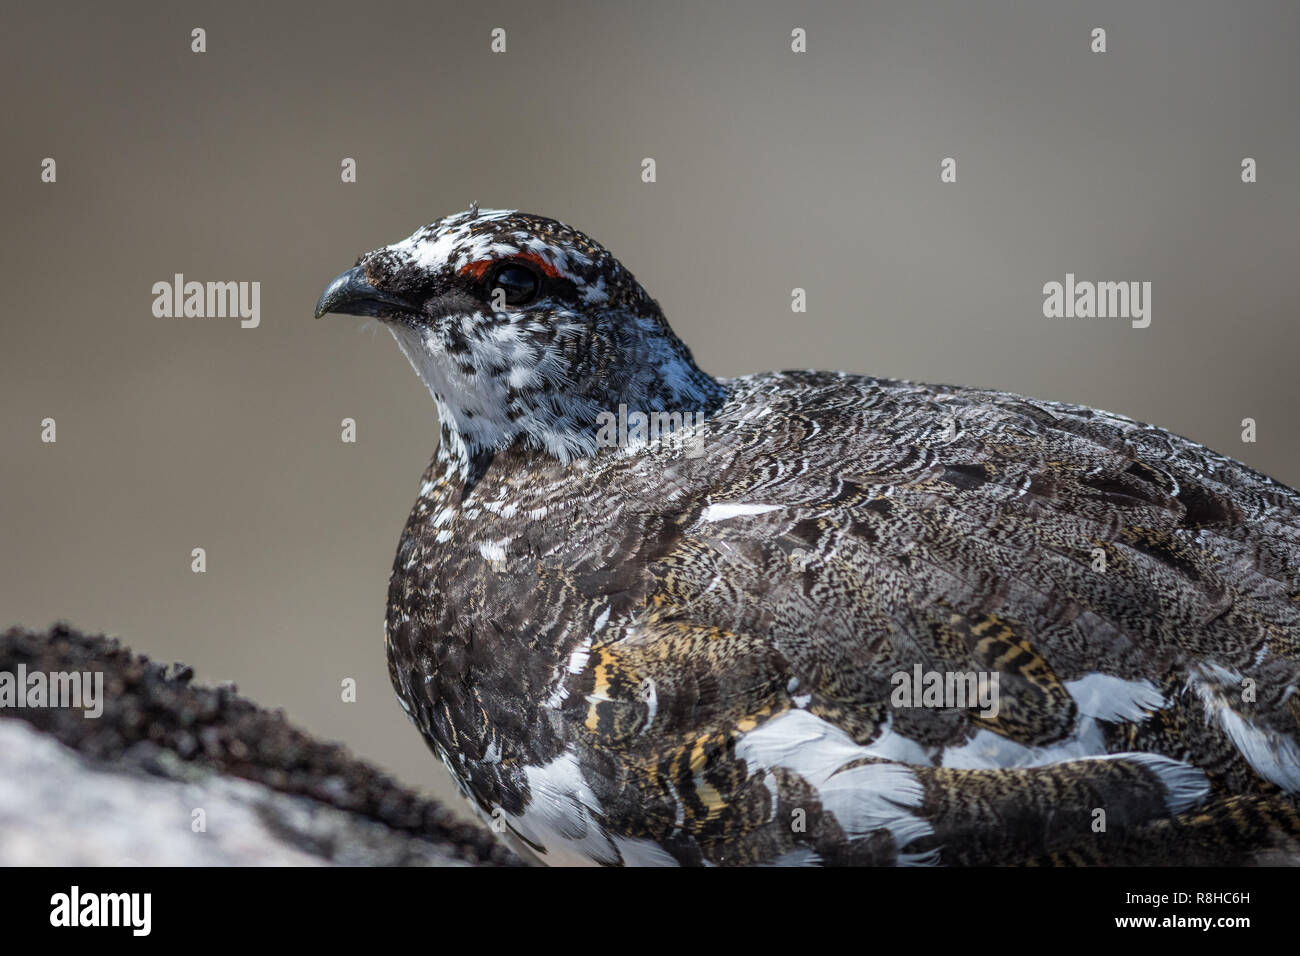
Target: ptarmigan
(758,633)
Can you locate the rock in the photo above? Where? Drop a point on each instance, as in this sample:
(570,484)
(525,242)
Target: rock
(127,787)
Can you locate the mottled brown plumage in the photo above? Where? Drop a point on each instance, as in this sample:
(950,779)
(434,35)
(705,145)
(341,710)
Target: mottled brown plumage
(651,654)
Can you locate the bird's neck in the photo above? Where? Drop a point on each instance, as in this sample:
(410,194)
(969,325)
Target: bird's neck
(659,389)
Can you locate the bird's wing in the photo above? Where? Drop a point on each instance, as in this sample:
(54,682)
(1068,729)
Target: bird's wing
(1137,596)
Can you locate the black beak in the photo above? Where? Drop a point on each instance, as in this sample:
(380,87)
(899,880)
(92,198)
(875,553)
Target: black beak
(352,294)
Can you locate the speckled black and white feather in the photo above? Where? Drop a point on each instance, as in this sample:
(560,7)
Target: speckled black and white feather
(642,655)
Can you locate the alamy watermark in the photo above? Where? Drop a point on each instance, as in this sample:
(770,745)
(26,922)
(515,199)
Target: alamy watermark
(965,690)
(70,690)
(209,300)
(133,911)
(1082,299)
(625,428)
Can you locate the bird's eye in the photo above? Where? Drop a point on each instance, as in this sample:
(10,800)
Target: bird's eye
(519,283)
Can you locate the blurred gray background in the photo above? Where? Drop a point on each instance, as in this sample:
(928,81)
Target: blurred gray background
(775,170)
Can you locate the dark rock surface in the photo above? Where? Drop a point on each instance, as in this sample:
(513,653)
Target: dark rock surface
(123,787)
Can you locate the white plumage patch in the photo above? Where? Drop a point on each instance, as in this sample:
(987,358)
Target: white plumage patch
(430,247)
(1106,697)
(986,750)
(564,818)
(493,550)
(734,509)
(1098,697)
(862,799)
(1272,755)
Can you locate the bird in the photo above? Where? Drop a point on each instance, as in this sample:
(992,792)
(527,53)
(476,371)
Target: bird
(649,616)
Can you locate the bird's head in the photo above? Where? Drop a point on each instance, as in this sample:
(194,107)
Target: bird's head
(524,329)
